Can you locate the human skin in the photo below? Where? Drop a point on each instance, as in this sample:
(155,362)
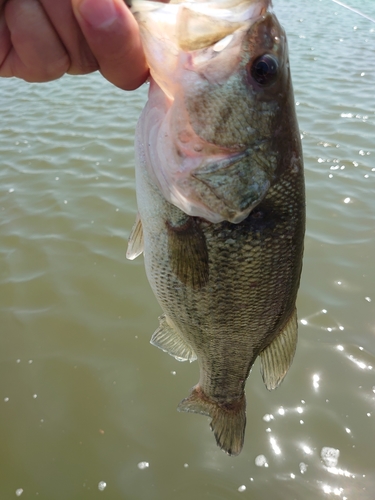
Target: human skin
(41,40)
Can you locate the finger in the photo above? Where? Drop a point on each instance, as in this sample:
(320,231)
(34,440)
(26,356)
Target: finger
(36,53)
(5,43)
(61,16)
(113,36)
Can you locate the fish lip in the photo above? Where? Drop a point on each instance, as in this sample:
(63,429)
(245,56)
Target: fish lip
(235,14)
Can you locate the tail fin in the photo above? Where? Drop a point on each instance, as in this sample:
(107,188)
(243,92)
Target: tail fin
(228,420)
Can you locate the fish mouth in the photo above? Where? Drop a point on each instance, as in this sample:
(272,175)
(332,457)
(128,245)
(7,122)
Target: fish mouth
(202,24)
(189,25)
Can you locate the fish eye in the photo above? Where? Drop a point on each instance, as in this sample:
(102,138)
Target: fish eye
(264,69)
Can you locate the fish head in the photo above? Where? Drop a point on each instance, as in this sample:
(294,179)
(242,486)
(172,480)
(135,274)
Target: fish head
(223,110)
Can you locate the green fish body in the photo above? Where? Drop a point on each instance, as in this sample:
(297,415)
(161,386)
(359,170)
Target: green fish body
(220,192)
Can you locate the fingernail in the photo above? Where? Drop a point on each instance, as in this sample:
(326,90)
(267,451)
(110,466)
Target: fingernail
(98,13)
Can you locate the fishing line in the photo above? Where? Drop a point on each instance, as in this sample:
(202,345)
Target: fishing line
(354,10)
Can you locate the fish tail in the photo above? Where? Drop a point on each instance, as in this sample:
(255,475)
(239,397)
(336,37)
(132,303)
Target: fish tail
(228,420)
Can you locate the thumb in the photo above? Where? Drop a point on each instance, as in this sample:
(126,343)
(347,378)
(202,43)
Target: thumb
(113,37)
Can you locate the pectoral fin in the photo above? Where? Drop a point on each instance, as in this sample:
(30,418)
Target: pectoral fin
(188,253)
(135,244)
(278,356)
(169,340)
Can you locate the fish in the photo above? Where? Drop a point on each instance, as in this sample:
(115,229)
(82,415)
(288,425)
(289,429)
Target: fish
(221,198)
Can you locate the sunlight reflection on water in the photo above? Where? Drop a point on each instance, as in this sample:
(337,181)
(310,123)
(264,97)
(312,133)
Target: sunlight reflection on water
(86,402)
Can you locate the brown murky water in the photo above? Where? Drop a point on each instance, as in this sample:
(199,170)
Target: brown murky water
(87,405)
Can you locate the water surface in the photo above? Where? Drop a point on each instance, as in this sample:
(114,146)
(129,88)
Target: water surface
(87,405)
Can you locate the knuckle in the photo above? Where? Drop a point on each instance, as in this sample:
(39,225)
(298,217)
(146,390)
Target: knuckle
(83,65)
(45,72)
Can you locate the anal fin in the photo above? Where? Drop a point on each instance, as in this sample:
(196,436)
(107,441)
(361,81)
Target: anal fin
(169,340)
(228,420)
(278,356)
(135,244)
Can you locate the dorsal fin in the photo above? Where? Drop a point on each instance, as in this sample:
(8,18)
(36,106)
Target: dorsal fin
(278,356)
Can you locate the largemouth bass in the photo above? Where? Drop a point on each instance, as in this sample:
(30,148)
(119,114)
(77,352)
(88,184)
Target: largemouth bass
(220,192)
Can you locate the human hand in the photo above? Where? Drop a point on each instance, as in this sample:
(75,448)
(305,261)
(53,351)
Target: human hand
(41,40)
